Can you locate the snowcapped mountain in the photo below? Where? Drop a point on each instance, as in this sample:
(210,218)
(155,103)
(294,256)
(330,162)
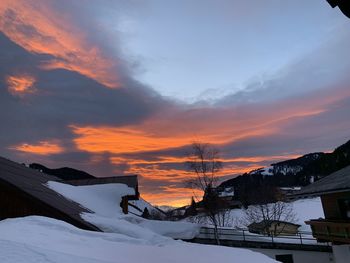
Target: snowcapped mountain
(264,171)
(295,172)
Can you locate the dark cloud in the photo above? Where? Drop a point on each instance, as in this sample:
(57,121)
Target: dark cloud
(63,98)
(325,67)
(303,107)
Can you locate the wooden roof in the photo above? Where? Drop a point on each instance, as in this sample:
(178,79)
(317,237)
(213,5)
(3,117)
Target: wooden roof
(333,183)
(33,183)
(129,180)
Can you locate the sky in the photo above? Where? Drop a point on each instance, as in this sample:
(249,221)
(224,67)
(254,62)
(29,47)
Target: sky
(125,87)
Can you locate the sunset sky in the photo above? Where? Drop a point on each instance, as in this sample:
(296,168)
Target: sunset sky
(125,86)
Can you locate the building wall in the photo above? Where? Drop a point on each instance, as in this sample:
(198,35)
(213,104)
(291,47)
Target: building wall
(330,204)
(341,253)
(299,256)
(16,203)
(286,229)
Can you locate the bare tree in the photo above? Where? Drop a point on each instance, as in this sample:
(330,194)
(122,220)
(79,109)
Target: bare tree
(268,207)
(205,164)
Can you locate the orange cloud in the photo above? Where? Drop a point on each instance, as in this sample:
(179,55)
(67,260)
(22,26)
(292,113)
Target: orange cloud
(179,160)
(38,28)
(175,128)
(41,148)
(171,195)
(179,129)
(20,84)
(133,139)
(156,172)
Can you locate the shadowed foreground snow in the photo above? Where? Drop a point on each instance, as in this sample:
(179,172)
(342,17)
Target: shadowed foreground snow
(127,238)
(39,239)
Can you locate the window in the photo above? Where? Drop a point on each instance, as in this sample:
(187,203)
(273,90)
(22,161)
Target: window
(287,258)
(344,207)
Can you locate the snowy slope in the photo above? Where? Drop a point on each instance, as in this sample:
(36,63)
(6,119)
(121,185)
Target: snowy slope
(307,209)
(44,240)
(264,171)
(304,209)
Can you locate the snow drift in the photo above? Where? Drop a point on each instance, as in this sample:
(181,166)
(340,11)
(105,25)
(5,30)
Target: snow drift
(128,238)
(39,239)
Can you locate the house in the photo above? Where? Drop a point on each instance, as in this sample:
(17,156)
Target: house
(275,227)
(24,192)
(334,191)
(289,190)
(227,194)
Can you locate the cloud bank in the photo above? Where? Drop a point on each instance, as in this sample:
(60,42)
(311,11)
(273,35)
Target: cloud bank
(69,98)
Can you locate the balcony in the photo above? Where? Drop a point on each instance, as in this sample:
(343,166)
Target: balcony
(335,231)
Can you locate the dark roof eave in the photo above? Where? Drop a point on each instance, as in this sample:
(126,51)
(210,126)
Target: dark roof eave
(319,193)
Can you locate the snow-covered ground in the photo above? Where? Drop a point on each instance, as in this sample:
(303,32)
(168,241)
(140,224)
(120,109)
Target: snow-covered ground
(304,209)
(128,238)
(44,240)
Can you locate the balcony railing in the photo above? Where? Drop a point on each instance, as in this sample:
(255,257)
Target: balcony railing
(302,238)
(335,231)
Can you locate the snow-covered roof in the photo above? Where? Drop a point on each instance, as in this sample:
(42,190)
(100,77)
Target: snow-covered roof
(262,224)
(32,183)
(335,182)
(226,192)
(129,180)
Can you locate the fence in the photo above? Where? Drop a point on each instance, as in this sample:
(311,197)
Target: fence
(301,238)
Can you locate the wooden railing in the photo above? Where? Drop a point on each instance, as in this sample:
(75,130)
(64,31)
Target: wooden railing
(336,231)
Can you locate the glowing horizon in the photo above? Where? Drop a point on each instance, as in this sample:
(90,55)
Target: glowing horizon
(115,88)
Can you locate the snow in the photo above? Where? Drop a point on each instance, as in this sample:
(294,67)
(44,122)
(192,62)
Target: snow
(98,198)
(305,209)
(104,201)
(141,204)
(227,192)
(37,239)
(264,171)
(267,171)
(128,238)
(166,208)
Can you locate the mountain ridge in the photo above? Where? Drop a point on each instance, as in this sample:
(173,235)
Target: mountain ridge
(299,171)
(64,173)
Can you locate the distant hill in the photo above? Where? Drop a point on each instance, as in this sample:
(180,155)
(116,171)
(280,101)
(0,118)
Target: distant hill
(300,171)
(64,173)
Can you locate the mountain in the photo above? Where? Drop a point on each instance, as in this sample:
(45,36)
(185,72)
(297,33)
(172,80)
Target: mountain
(300,171)
(64,173)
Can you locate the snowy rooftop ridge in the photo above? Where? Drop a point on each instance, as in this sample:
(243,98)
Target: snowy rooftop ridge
(23,183)
(104,200)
